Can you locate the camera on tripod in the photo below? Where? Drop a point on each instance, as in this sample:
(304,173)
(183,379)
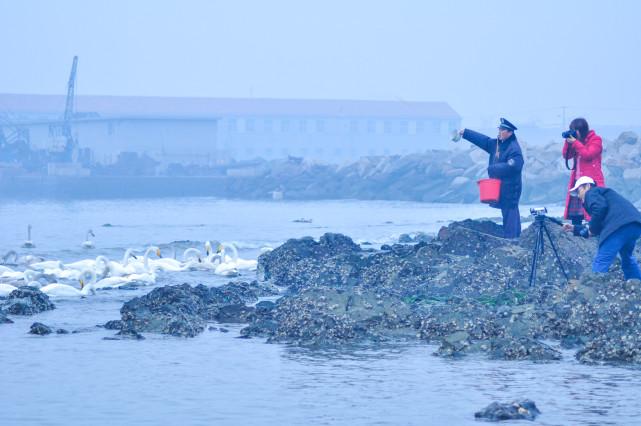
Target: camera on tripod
(540,219)
(538,211)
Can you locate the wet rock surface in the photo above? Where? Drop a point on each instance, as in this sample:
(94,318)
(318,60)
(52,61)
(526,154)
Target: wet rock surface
(184,310)
(40,329)
(517,410)
(467,291)
(27,301)
(4,319)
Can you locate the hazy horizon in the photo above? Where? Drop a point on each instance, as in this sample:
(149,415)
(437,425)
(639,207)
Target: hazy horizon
(486,60)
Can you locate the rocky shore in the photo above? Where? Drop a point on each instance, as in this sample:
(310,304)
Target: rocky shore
(467,290)
(432,176)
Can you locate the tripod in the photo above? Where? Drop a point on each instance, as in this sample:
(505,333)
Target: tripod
(539,243)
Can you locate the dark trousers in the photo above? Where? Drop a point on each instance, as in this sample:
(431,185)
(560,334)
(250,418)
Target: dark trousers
(511,222)
(621,241)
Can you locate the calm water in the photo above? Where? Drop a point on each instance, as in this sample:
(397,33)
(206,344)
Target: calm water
(215,378)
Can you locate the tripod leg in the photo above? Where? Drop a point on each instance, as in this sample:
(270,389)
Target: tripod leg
(535,257)
(556,253)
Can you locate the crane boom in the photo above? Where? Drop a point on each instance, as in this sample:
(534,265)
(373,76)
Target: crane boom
(68,116)
(71,86)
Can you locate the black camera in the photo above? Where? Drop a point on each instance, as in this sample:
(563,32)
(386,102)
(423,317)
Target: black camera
(569,134)
(538,211)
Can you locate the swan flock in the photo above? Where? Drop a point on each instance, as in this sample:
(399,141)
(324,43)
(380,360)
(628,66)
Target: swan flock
(84,277)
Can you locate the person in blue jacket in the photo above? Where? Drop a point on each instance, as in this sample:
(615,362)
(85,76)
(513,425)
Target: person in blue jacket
(615,220)
(506,164)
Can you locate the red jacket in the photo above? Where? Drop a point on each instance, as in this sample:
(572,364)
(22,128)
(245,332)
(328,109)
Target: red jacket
(587,160)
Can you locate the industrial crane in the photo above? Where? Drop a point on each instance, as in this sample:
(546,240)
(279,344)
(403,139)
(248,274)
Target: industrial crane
(68,116)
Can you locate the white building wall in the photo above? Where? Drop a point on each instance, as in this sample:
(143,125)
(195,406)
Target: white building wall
(208,141)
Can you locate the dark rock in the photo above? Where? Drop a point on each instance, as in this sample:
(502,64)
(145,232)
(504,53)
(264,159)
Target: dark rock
(184,310)
(62,331)
(113,325)
(466,239)
(521,349)
(264,307)
(405,239)
(234,314)
(4,319)
(297,262)
(175,310)
(27,301)
(454,345)
(129,334)
(517,410)
(327,317)
(611,349)
(223,330)
(40,329)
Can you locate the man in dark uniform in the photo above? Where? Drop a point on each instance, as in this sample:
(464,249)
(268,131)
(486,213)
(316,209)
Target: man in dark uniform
(506,163)
(615,220)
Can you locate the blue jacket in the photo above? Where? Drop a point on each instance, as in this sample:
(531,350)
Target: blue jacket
(609,211)
(506,166)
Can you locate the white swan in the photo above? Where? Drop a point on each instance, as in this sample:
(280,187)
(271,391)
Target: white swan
(116,269)
(4,269)
(28,243)
(235,261)
(192,253)
(107,283)
(47,264)
(88,244)
(226,270)
(6,289)
(209,250)
(85,264)
(29,259)
(144,267)
(11,275)
(57,290)
(169,264)
(117,275)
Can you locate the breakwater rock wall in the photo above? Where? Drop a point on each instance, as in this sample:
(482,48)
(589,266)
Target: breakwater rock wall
(431,176)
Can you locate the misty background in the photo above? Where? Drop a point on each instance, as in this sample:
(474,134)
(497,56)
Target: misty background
(487,59)
(309,100)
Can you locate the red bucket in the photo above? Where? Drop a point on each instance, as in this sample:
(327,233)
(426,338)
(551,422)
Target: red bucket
(490,190)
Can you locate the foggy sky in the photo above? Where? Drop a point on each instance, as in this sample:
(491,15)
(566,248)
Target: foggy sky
(486,58)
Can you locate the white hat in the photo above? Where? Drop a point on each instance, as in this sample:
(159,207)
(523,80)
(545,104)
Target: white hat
(581,181)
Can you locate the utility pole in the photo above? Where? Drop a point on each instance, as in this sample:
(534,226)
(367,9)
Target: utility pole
(563,108)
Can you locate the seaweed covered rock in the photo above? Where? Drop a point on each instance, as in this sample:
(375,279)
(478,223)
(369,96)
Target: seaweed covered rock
(516,410)
(40,329)
(184,310)
(27,301)
(522,349)
(603,312)
(323,316)
(330,261)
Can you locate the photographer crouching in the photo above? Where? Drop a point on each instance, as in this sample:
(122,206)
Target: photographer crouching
(505,164)
(615,220)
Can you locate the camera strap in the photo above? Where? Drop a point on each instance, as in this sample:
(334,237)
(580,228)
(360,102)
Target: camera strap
(567,164)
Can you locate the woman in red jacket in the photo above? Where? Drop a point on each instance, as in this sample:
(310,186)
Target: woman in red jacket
(584,155)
